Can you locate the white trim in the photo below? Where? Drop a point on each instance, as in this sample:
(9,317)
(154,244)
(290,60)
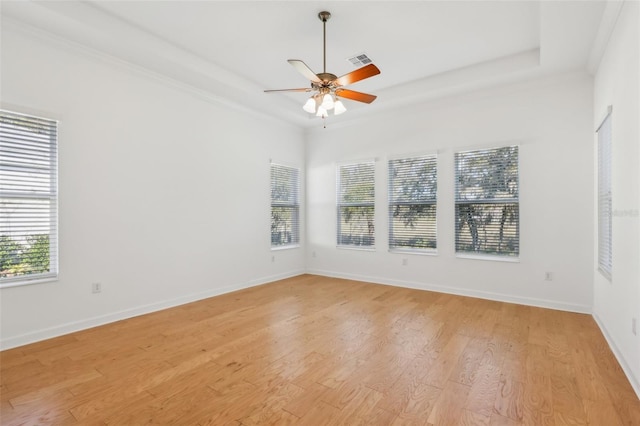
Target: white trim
(356,248)
(487,146)
(498,297)
(285,247)
(418,252)
(21,281)
(273,162)
(635,382)
(70,327)
(410,155)
(373,160)
(209,96)
(495,258)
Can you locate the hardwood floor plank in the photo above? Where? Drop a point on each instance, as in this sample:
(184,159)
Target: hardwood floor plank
(448,408)
(312,350)
(377,417)
(403,391)
(483,391)
(498,420)
(538,408)
(303,403)
(269,410)
(465,370)
(416,407)
(601,412)
(471,418)
(320,414)
(440,372)
(509,397)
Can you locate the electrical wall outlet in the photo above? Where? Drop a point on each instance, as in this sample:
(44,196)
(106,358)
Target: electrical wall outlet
(96,288)
(548,276)
(634,326)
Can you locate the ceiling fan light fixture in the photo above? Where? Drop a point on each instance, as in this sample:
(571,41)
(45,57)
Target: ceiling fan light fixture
(327,101)
(310,105)
(338,107)
(326,87)
(322,112)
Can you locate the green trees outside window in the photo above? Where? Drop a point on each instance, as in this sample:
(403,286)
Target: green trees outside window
(412,203)
(356,205)
(30,257)
(487,205)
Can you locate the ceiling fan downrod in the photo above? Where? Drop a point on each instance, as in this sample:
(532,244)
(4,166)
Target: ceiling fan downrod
(324,17)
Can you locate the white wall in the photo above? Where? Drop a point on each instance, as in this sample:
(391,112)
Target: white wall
(617,301)
(164,195)
(551,120)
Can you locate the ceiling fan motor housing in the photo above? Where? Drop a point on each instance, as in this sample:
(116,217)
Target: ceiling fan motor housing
(324,16)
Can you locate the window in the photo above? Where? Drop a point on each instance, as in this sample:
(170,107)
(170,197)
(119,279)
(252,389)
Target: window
(285,206)
(604,197)
(412,203)
(356,205)
(28,199)
(487,207)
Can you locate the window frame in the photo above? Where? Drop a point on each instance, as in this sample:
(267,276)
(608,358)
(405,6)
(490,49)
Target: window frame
(604,134)
(394,203)
(293,204)
(485,202)
(32,147)
(340,205)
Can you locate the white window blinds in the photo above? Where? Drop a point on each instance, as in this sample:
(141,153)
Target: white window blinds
(487,206)
(605,258)
(356,196)
(412,203)
(28,198)
(285,206)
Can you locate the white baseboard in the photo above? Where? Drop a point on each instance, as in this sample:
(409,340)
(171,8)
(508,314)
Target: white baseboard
(59,330)
(529,301)
(635,383)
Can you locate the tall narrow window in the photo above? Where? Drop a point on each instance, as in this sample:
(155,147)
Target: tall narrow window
(605,206)
(285,206)
(412,203)
(487,206)
(28,198)
(356,205)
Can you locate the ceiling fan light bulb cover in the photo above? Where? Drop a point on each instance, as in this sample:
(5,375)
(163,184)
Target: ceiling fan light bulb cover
(327,101)
(339,108)
(310,106)
(322,112)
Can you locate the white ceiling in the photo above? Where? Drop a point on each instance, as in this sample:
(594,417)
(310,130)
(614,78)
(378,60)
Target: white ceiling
(424,49)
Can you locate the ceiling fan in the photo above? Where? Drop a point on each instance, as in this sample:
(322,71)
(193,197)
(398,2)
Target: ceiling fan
(327,87)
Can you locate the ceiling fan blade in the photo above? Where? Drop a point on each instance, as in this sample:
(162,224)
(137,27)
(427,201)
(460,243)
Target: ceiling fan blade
(307,89)
(357,75)
(355,96)
(304,70)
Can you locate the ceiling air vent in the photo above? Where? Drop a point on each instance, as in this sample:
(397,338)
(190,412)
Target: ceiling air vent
(360,60)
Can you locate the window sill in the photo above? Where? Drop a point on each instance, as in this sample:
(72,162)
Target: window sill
(358,248)
(287,247)
(418,252)
(494,258)
(23,282)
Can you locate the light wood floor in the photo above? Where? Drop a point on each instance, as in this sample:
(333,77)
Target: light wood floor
(312,351)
